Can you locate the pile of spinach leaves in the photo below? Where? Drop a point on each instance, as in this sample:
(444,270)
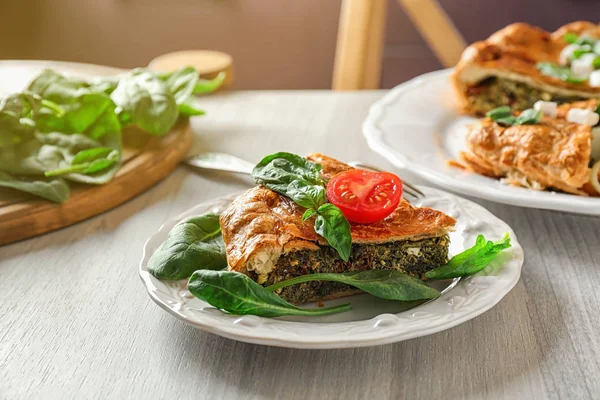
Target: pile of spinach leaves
(63,129)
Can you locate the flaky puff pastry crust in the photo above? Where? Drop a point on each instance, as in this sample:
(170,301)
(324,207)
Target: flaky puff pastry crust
(552,154)
(513,53)
(262,225)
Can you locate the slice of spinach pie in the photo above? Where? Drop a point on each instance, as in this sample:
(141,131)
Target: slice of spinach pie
(521,64)
(267,240)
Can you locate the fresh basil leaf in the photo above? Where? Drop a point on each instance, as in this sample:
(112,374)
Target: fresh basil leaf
(182,83)
(306,195)
(570,37)
(335,228)
(309,213)
(205,86)
(237,294)
(529,117)
(499,112)
(278,170)
(472,260)
(299,179)
(55,189)
(188,110)
(556,71)
(193,244)
(385,284)
(147,101)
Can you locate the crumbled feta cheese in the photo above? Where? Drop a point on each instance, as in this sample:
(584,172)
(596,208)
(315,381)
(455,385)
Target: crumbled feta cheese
(595,78)
(547,107)
(567,53)
(413,251)
(583,66)
(581,116)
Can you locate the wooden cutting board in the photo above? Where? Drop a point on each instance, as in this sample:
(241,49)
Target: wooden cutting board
(146,160)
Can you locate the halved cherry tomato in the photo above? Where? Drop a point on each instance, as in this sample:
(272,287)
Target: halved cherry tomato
(363,196)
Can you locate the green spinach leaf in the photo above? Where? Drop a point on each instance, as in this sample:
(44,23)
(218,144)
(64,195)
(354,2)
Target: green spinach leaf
(12,129)
(89,161)
(81,105)
(335,228)
(193,244)
(44,152)
(181,83)
(188,110)
(55,190)
(147,102)
(472,260)
(391,285)
(205,86)
(237,294)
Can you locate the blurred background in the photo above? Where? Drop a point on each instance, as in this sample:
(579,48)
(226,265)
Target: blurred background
(274,44)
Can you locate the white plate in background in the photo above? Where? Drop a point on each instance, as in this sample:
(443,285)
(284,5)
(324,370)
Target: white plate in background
(417,126)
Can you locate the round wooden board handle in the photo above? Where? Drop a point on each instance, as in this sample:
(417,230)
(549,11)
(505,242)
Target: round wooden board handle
(209,63)
(147,160)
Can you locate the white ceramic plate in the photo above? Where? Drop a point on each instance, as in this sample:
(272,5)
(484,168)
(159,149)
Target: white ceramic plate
(372,321)
(417,126)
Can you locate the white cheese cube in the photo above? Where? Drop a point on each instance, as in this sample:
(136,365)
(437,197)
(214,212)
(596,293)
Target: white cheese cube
(595,78)
(581,116)
(583,66)
(567,53)
(547,107)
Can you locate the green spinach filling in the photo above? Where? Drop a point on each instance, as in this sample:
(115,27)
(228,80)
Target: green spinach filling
(495,92)
(412,257)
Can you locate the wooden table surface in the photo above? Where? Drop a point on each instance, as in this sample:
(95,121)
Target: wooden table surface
(76,322)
